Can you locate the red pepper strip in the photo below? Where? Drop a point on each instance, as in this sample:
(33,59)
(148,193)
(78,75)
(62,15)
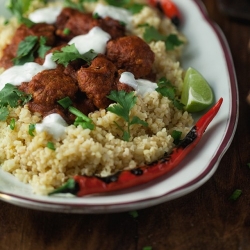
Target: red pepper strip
(130,178)
(168,8)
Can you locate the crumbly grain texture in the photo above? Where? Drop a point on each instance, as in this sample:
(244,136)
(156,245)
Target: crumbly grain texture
(101,151)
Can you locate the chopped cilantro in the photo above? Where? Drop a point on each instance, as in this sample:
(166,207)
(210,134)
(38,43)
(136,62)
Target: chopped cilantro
(28,47)
(134,214)
(12,124)
(125,102)
(65,102)
(70,53)
(51,145)
(235,195)
(32,128)
(152,34)
(248,164)
(165,88)
(81,119)
(4,112)
(18,8)
(66,31)
(147,248)
(74,5)
(177,136)
(13,97)
(127,4)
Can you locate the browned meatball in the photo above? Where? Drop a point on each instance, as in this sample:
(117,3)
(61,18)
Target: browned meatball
(76,22)
(49,86)
(132,54)
(111,26)
(79,23)
(22,32)
(98,80)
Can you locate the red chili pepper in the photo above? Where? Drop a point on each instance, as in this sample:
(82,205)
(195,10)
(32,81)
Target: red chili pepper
(84,185)
(168,8)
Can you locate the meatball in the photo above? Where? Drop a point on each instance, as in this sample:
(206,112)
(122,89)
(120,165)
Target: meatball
(78,23)
(132,54)
(98,80)
(49,86)
(41,29)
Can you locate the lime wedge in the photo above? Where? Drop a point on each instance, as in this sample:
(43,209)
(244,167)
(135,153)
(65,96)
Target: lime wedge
(196,95)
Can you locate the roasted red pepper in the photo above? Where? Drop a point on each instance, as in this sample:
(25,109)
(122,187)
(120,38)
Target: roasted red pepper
(85,185)
(168,8)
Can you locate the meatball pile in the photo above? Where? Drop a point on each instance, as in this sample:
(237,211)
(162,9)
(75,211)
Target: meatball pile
(86,84)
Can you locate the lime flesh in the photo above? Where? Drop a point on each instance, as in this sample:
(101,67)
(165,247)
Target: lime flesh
(197,95)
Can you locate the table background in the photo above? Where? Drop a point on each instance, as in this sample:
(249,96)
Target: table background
(204,219)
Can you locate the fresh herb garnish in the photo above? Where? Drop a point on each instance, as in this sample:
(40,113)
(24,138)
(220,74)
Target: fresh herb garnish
(66,31)
(125,102)
(12,124)
(152,34)
(165,88)
(13,97)
(177,136)
(81,119)
(134,214)
(51,145)
(18,8)
(79,5)
(127,4)
(32,128)
(147,248)
(235,195)
(29,47)
(70,53)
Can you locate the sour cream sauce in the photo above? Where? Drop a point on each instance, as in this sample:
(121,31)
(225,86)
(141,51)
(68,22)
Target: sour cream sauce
(116,13)
(141,86)
(24,73)
(53,124)
(45,15)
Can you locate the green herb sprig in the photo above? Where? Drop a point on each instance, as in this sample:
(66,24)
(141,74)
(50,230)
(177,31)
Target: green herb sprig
(134,8)
(29,47)
(18,8)
(70,53)
(81,119)
(152,34)
(13,97)
(165,88)
(125,102)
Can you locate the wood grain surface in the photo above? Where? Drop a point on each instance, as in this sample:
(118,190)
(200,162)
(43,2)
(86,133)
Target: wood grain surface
(203,220)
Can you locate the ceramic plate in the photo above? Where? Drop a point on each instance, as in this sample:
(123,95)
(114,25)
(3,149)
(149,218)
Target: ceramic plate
(209,53)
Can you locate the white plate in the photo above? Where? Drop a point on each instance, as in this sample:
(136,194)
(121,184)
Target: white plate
(209,53)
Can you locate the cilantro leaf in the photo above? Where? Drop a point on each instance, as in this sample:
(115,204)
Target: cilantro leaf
(28,47)
(18,8)
(125,102)
(165,88)
(152,34)
(51,145)
(81,119)
(75,5)
(70,53)
(4,112)
(32,128)
(127,4)
(177,136)
(235,195)
(12,96)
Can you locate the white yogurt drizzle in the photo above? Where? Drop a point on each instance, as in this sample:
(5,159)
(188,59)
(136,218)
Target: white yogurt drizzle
(45,15)
(95,39)
(24,73)
(141,86)
(116,13)
(53,124)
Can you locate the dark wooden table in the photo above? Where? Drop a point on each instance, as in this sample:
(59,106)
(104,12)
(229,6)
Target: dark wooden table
(203,219)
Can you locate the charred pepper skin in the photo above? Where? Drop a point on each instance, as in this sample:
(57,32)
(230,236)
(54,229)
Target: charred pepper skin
(141,175)
(169,9)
